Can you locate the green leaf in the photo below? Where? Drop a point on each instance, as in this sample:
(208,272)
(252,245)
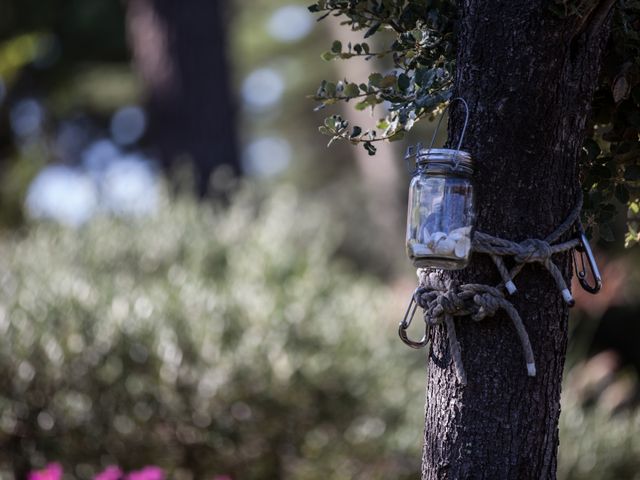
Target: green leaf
(336,46)
(632,172)
(630,239)
(601,172)
(606,213)
(370,148)
(622,194)
(403,82)
(328,56)
(594,198)
(388,81)
(592,148)
(330,88)
(374,28)
(351,90)
(425,77)
(373,99)
(606,232)
(375,80)
(427,101)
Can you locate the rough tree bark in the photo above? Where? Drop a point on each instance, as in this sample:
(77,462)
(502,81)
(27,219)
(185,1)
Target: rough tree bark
(529,78)
(179,50)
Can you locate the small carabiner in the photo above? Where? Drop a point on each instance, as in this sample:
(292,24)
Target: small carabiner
(585,249)
(406,322)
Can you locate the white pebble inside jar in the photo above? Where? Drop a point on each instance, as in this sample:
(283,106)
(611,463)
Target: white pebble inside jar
(456,243)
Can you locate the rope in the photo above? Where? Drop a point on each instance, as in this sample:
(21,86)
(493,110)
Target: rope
(531,250)
(444,299)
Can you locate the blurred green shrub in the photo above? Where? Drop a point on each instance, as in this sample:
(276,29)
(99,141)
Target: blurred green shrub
(596,445)
(204,341)
(223,342)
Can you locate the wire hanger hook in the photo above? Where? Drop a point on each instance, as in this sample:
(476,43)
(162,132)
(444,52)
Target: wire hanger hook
(414,151)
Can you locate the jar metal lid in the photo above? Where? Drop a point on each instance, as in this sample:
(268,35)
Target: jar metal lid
(445,160)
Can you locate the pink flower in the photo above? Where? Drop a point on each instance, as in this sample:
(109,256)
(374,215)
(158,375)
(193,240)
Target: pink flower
(52,471)
(110,473)
(147,473)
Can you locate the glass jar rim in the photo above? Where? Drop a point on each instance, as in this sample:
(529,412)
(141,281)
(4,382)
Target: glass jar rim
(445,160)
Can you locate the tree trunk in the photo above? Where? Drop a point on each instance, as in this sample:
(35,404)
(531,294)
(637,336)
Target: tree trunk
(179,50)
(528,77)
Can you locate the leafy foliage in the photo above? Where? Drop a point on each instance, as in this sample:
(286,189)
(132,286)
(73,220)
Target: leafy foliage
(611,164)
(423,57)
(423,54)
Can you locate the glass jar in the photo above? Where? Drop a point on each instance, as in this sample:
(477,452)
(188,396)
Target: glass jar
(441,211)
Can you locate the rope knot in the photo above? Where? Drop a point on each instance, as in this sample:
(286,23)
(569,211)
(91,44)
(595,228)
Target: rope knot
(437,304)
(533,250)
(488,304)
(444,300)
(450,302)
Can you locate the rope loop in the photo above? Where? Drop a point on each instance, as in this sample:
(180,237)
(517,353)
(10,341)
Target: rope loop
(442,300)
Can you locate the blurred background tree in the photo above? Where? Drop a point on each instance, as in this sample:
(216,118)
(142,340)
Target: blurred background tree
(138,325)
(179,52)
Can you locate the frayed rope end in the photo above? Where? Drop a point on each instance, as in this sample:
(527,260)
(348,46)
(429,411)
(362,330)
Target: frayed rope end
(531,369)
(566,294)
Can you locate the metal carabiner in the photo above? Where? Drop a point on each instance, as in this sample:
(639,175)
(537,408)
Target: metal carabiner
(406,322)
(585,249)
